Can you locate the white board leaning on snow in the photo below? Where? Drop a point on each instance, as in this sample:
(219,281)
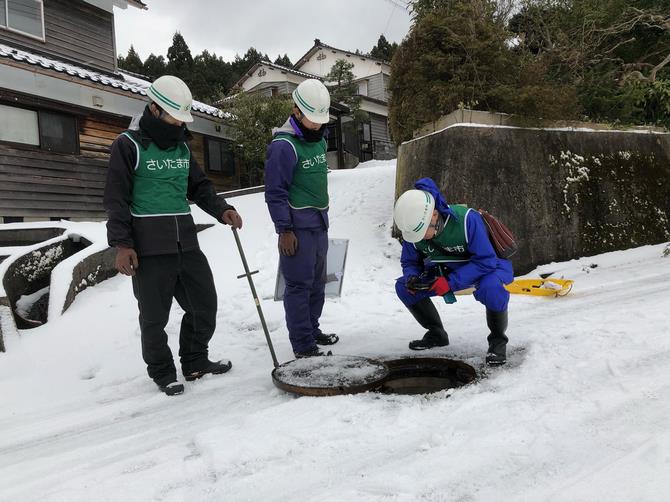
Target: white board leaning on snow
(336,261)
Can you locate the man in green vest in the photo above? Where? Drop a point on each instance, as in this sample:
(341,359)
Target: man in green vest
(296,193)
(151,177)
(446,248)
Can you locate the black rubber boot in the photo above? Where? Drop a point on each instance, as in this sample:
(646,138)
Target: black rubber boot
(427,316)
(497,323)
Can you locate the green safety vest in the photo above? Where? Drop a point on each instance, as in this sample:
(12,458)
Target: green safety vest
(160,180)
(310,181)
(451,244)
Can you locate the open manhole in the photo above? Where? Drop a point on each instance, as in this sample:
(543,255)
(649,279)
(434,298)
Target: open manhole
(424,375)
(337,375)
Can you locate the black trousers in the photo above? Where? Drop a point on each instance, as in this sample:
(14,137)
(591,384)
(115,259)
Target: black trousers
(185,276)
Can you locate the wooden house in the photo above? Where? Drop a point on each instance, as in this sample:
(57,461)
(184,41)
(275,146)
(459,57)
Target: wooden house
(63,101)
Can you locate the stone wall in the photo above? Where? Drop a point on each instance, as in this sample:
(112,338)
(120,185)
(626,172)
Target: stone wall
(564,193)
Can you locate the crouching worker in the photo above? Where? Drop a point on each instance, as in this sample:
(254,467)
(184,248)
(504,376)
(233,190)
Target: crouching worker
(446,248)
(151,174)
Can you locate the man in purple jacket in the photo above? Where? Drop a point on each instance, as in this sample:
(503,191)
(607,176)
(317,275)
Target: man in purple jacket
(446,248)
(296,192)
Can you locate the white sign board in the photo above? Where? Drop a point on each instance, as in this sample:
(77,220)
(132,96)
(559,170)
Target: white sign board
(337,259)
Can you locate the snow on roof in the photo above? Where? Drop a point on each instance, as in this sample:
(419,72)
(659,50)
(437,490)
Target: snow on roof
(120,81)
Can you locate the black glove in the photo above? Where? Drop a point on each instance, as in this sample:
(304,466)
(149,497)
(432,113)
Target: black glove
(414,283)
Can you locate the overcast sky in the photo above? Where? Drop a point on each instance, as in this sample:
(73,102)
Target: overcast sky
(231,27)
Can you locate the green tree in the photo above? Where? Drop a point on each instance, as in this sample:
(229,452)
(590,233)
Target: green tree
(154,66)
(456,54)
(612,51)
(252,118)
(250,58)
(384,50)
(180,61)
(284,61)
(211,75)
(343,89)
(131,62)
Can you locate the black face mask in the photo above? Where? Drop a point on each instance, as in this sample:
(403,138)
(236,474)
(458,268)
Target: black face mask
(310,135)
(163,134)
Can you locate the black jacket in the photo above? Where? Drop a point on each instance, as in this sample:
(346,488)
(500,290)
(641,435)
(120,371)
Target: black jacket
(157,234)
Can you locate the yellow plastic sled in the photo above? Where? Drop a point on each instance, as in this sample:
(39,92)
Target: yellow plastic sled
(540,287)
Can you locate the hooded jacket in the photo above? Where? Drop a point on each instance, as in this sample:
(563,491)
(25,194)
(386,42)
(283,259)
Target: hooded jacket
(280,165)
(482,260)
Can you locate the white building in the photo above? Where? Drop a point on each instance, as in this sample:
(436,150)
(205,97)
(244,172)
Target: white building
(371,139)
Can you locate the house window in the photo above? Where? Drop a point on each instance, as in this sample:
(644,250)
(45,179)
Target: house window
(19,126)
(363,88)
(23,16)
(12,219)
(48,130)
(58,132)
(220,157)
(366,132)
(331,137)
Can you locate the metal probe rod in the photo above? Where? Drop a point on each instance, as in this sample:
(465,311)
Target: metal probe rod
(248,275)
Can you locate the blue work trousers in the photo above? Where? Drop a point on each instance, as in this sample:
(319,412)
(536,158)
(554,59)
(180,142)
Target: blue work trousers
(305,276)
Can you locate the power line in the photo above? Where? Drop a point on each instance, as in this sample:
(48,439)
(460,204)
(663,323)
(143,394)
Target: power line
(404,5)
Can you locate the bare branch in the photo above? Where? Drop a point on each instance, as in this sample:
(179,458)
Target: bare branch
(652,75)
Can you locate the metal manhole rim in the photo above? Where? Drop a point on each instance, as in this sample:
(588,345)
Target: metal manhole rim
(465,374)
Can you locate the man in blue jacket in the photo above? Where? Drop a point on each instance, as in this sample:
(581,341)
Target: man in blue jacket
(446,248)
(296,192)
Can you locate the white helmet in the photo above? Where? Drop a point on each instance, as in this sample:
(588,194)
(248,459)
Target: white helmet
(313,99)
(412,214)
(173,96)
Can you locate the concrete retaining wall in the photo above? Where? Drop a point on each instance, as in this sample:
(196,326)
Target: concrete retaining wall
(564,193)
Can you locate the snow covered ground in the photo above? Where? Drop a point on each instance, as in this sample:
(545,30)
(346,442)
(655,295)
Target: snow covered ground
(579,414)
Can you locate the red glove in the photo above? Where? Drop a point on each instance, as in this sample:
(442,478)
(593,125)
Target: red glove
(441,286)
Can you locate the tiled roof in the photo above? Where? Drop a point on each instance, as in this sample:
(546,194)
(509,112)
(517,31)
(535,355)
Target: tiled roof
(119,81)
(318,44)
(252,70)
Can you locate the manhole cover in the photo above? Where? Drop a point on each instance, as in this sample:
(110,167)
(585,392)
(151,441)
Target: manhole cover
(330,375)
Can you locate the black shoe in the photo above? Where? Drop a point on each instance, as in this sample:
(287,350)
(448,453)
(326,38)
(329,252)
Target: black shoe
(172,389)
(315,352)
(493,359)
(326,339)
(430,340)
(215,368)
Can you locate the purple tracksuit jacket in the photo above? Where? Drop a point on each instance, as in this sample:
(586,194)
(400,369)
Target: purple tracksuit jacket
(304,272)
